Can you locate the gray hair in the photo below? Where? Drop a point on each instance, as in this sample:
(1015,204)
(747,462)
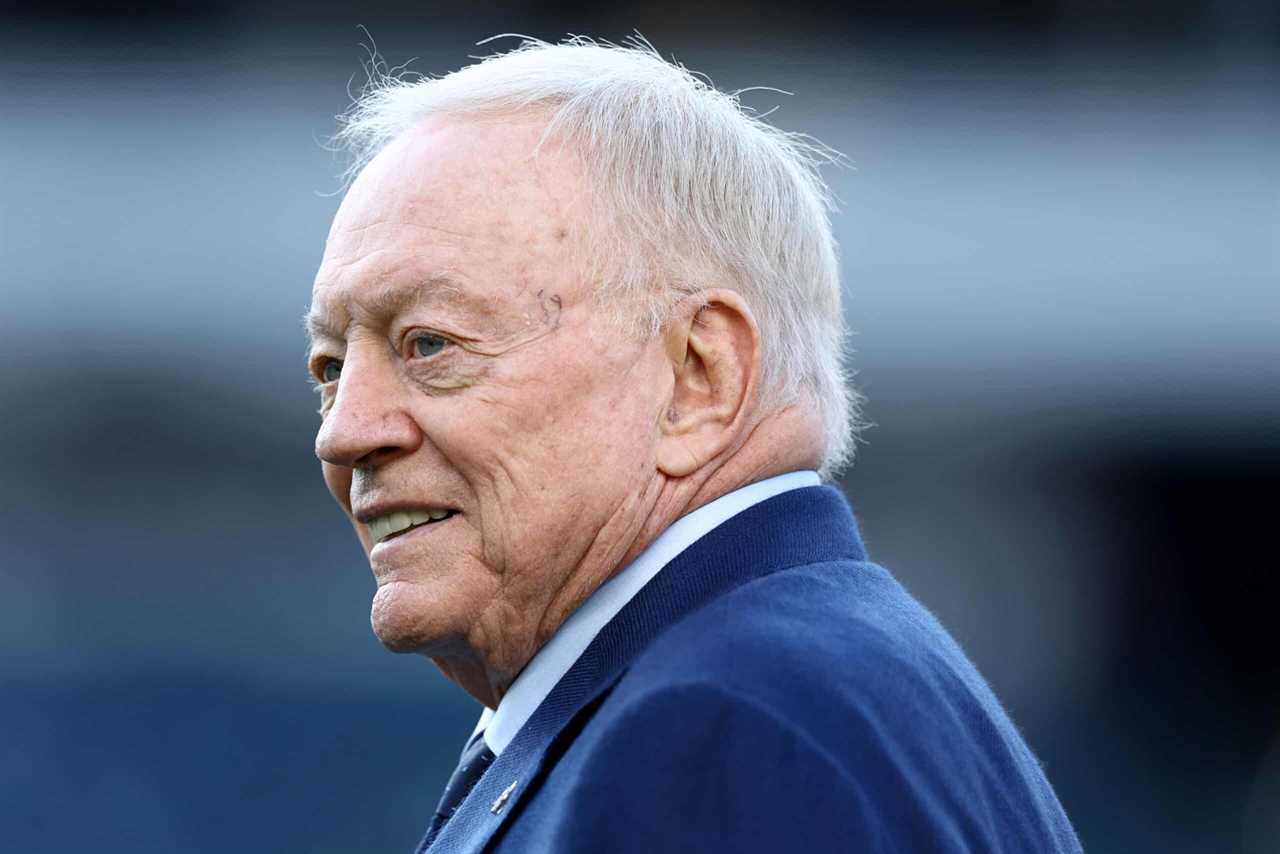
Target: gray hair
(701,192)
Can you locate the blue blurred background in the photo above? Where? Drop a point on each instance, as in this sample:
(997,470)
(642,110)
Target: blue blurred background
(1061,242)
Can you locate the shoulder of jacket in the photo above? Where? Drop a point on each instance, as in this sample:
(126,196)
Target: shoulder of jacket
(825,646)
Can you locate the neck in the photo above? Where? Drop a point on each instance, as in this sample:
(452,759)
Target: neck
(784,441)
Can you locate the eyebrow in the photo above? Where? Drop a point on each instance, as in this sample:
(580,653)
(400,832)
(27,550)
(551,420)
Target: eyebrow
(388,300)
(317,326)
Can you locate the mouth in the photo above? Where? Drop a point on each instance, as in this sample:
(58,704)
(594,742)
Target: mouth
(392,525)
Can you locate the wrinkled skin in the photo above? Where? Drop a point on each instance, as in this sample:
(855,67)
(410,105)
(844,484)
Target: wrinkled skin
(463,365)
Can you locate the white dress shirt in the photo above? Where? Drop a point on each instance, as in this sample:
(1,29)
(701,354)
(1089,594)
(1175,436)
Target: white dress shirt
(573,637)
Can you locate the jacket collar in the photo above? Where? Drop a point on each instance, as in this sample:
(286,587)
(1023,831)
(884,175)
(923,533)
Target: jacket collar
(803,526)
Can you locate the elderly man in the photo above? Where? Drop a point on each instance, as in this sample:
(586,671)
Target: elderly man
(577,336)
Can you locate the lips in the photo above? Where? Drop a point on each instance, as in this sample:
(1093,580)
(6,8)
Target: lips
(391,525)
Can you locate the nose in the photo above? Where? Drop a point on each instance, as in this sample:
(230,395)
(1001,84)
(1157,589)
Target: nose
(368,423)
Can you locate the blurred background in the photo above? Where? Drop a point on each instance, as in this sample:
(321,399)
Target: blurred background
(1061,242)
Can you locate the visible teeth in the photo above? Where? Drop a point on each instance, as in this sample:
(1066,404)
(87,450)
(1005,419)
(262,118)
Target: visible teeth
(393,523)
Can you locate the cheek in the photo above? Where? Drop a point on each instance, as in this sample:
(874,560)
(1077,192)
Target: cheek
(601,419)
(531,428)
(605,442)
(622,412)
(619,426)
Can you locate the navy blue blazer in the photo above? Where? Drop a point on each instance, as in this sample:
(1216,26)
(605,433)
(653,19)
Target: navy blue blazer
(769,690)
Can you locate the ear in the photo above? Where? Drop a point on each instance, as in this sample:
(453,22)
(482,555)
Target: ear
(713,345)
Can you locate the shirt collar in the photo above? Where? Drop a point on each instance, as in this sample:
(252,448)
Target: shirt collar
(555,658)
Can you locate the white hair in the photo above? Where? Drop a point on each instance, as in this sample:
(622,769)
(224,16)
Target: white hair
(701,193)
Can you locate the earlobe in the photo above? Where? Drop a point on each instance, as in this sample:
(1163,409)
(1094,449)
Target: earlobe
(676,458)
(713,348)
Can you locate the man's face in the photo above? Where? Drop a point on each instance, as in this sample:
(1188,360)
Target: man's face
(466,372)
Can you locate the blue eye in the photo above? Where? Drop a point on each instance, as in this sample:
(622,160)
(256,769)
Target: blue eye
(429,345)
(331,371)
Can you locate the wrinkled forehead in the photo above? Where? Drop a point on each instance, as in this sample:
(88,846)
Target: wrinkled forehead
(476,182)
(481,206)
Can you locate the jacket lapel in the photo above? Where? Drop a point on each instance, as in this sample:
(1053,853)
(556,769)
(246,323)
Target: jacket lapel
(803,526)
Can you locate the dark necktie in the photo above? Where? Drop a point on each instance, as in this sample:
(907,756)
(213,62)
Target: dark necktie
(475,759)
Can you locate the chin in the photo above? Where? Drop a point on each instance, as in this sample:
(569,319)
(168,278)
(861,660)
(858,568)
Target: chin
(405,618)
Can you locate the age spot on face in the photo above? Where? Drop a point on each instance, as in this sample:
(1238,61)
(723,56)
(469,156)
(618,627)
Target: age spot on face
(551,307)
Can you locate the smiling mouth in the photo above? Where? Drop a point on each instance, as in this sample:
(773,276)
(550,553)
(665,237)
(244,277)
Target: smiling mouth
(393,525)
